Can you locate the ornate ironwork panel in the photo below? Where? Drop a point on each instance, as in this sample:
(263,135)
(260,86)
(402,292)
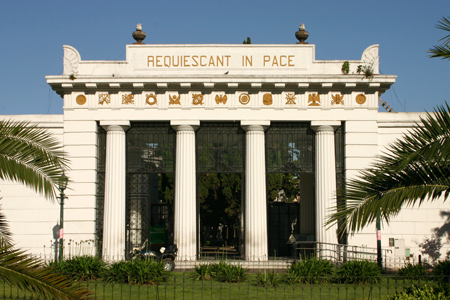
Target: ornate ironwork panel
(340,170)
(220,148)
(284,219)
(151,147)
(290,148)
(290,163)
(150,184)
(100,196)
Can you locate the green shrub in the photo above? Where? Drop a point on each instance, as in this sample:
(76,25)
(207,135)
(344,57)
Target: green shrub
(412,271)
(221,271)
(358,272)
(80,267)
(202,272)
(424,292)
(146,271)
(266,279)
(442,268)
(310,270)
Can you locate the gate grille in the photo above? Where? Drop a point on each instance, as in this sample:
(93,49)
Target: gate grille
(290,164)
(150,184)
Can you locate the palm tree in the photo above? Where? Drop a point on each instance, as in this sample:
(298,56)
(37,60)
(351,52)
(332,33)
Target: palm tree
(415,169)
(442,51)
(31,155)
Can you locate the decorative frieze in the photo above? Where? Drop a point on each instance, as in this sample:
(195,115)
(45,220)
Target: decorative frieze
(222,99)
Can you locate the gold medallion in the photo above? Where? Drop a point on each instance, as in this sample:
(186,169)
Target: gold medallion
(81,99)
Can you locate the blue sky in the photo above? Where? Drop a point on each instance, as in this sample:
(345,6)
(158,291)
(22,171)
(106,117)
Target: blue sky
(33,32)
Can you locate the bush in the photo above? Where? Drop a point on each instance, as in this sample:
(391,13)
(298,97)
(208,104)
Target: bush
(310,270)
(358,272)
(442,269)
(202,272)
(424,292)
(80,267)
(267,279)
(412,271)
(146,271)
(221,271)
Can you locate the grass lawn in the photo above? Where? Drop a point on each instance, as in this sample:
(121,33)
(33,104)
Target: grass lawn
(182,286)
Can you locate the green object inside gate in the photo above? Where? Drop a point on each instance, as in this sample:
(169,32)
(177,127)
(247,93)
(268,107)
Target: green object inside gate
(157,235)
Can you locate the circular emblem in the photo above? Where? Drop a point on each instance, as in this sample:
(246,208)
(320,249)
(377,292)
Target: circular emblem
(267,99)
(81,99)
(360,99)
(244,98)
(151,99)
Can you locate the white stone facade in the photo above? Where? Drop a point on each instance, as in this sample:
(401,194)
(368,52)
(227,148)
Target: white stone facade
(254,85)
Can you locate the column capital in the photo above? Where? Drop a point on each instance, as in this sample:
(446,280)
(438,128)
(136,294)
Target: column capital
(259,125)
(319,126)
(185,125)
(119,125)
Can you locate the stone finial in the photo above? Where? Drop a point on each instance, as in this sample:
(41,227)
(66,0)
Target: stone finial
(302,34)
(139,35)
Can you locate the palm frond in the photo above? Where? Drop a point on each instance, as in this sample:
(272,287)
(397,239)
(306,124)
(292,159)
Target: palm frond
(30,155)
(5,234)
(19,269)
(444,24)
(443,50)
(415,169)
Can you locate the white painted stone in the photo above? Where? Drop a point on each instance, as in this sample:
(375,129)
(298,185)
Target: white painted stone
(325,180)
(185,234)
(255,226)
(114,207)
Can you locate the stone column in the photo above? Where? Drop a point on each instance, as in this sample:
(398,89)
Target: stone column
(325,181)
(185,227)
(255,224)
(115,190)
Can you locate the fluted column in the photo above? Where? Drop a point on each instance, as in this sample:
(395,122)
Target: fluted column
(325,179)
(255,224)
(115,189)
(185,229)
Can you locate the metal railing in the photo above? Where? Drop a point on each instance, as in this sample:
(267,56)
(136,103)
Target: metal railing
(184,286)
(337,253)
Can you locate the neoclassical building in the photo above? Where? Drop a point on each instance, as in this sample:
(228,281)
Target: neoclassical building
(216,148)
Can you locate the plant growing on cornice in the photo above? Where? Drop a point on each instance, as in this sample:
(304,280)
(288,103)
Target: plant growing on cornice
(248,41)
(366,70)
(72,77)
(345,67)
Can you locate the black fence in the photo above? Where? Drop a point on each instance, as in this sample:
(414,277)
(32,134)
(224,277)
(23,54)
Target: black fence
(256,286)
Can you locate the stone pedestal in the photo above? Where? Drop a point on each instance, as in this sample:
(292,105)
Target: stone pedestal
(115,191)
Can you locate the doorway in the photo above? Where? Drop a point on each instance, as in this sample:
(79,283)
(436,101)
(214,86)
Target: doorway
(220,213)
(220,185)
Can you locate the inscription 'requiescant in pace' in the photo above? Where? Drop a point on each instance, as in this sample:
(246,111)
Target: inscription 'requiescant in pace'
(188,61)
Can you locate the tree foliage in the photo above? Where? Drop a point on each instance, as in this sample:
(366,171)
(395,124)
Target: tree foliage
(32,156)
(443,50)
(415,169)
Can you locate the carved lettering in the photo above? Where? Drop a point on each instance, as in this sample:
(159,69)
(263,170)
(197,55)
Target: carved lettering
(247,61)
(188,61)
(278,61)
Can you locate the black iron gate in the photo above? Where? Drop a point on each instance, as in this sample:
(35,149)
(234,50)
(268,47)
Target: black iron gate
(284,218)
(290,153)
(220,172)
(150,184)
